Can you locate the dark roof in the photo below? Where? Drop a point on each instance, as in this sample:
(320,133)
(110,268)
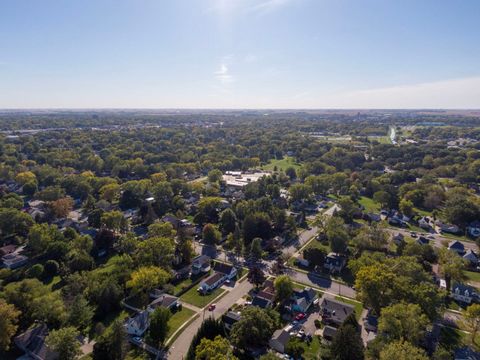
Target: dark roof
(266,295)
(337,310)
(222,268)
(308,294)
(329,331)
(7,249)
(33,341)
(334,259)
(261,302)
(140,320)
(213,278)
(201,260)
(466,353)
(281,336)
(231,317)
(456,245)
(164,300)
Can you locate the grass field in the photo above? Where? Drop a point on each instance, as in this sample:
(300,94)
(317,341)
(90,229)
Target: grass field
(369,204)
(357,305)
(178,319)
(193,297)
(282,164)
(473,276)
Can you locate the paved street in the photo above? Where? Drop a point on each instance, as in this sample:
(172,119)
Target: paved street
(179,348)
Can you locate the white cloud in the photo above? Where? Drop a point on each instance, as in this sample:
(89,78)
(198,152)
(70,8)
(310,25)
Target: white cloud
(250,58)
(223,74)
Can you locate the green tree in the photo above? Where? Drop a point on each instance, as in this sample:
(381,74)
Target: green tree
(209,329)
(64,342)
(336,234)
(80,314)
(227,221)
(147,278)
(402,350)
(347,343)
(9,316)
(215,175)
(283,288)
(403,321)
(255,327)
(295,348)
(472,319)
(210,234)
(112,345)
(216,349)
(159,327)
(256,276)
(155,251)
(451,267)
(256,249)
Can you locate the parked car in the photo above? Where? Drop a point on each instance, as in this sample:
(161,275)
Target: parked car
(300,316)
(212,307)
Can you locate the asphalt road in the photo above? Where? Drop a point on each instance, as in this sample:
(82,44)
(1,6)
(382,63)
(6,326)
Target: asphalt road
(179,348)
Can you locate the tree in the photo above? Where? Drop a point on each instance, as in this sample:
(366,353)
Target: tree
(159,327)
(402,350)
(216,349)
(283,288)
(403,321)
(209,329)
(36,271)
(371,237)
(65,343)
(147,278)
(269,356)
(210,234)
(294,348)
(383,198)
(256,276)
(155,251)
(161,229)
(373,283)
(80,314)
(13,221)
(347,343)
(452,267)
(406,207)
(299,192)
(255,327)
(256,249)
(61,207)
(336,234)
(114,221)
(347,209)
(110,192)
(51,268)
(8,323)
(291,173)
(227,221)
(315,256)
(472,319)
(215,175)
(112,345)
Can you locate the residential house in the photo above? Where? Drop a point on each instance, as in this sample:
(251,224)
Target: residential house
(334,262)
(230,318)
(328,332)
(457,247)
(211,283)
(471,258)
(303,299)
(226,269)
(14,261)
(172,220)
(138,324)
(32,342)
(424,223)
(463,293)
(165,300)
(7,249)
(447,228)
(422,240)
(474,229)
(279,340)
(335,312)
(263,299)
(466,353)
(201,264)
(398,239)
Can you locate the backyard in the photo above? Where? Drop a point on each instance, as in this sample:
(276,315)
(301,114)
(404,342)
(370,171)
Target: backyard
(178,319)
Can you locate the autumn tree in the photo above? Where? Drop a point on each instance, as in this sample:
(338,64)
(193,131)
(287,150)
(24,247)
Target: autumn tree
(9,316)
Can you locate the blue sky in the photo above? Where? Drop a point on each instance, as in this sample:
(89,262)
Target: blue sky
(239,54)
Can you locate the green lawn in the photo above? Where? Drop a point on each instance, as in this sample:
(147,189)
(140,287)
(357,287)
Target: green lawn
(473,276)
(184,284)
(282,164)
(369,204)
(357,305)
(178,319)
(193,297)
(312,350)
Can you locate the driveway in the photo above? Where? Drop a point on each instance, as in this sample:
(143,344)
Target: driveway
(179,348)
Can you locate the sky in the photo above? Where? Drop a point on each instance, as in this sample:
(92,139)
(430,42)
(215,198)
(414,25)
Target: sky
(240,54)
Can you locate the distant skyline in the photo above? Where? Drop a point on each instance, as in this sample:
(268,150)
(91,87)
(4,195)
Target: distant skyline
(302,54)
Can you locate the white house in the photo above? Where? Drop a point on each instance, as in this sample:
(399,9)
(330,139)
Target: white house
(212,282)
(334,262)
(229,271)
(138,324)
(279,340)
